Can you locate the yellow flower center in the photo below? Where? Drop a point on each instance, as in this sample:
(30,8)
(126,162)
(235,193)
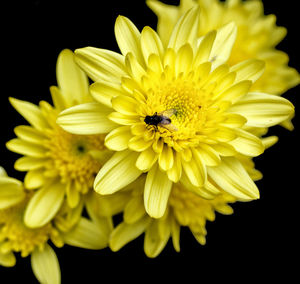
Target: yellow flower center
(70,156)
(16,237)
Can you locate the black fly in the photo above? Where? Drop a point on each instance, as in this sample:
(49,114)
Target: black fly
(161,119)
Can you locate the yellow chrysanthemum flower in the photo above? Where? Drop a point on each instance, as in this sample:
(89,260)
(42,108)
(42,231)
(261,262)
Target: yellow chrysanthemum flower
(68,227)
(257,37)
(58,163)
(185,209)
(179,113)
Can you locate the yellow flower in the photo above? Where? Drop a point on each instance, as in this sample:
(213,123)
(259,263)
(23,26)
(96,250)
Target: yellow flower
(185,209)
(257,37)
(68,227)
(58,163)
(179,113)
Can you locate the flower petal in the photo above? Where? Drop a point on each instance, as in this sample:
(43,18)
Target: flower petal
(263,110)
(26,148)
(119,171)
(31,113)
(72,81)
(89,118)
(103,91)
(151,43)
(118,138)
(45,265)
(125,233)
(186,29)
(146,160)
(128,38)
(11,191)
(29,134)
(231,176)
(157,191)
(7,259)
(34,179)
(250,69)
(101,64)
(134,210)
(29,163)
(44,205)
(87,235)
(124,105)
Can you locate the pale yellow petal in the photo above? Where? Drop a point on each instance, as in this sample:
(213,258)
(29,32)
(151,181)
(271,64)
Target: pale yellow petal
(104,91)
(175,233)
(57,98)
(128,38)
(146,160)
(89,118)
(123,119)
(151,43)
(87,235)
(125,105)
(209,156)
(247,143)
(29,134)
(101,64)
(119,171)
(195,171)
(223,44)
(125,233)
(29,163)
(135,69)
(44,205)
(134,210)
(7,259)
(34,179)
(156,192)
(185,30)
(166,158)
(269,141)
(11,191)
(31,113)
(118,138)
(72,81)
(138,143)
(263,110)
(250,69)
(26,148)
(174,174)
(45,266)
(231,177)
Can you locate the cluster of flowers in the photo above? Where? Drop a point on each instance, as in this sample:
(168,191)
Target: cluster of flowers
(165,134)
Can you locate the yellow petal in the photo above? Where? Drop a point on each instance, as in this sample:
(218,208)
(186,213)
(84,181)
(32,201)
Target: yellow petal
(151,43)
(29,134)
(195,171)
(30,112)
(134,210)
(45,266)
(174,174)
(118,138)
(87,235)
(73,195)
(57,98)
(166,158)
(44,205)
(128,38)
(123,119)
(72,81)
(89,118)
(157,191)
(137,143)
(11,191)
(209,156)
(135,69)
(125,105)
(34,179)
(103,91)
(146,160)
(250,69)
(7,259)
(125,233)
(269,141)
(247,143)
(223,44)
(185,31)
(263,110)
(26,148)
(101,64)
(29,163)
(119,171)
(231,176)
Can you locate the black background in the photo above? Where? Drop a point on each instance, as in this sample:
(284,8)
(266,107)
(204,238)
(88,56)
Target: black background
(259,239)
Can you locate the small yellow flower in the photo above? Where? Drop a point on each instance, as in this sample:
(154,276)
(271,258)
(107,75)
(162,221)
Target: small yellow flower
(179,113)
(58,163)
(68,227)
(257,36)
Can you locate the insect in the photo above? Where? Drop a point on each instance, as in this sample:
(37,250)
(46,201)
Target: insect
(161,119)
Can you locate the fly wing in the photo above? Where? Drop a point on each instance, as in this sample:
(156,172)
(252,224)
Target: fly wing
(168,113)
(171,127)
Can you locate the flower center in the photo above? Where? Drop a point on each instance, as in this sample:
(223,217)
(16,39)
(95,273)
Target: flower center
(15,236)
(70,156)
